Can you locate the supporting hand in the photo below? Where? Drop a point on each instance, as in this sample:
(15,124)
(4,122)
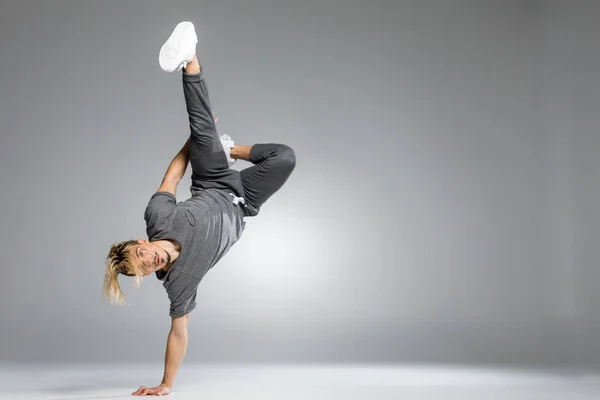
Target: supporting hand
(159,390)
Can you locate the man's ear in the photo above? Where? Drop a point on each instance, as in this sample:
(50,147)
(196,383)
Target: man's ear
(141,241)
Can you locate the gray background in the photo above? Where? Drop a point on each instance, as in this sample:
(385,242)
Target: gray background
(442,208)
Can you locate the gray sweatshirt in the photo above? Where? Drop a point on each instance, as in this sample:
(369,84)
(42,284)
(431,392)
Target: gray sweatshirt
(206,226)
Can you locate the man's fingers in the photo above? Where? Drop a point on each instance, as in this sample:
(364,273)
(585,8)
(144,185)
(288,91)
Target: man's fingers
(139,391)
(158,391)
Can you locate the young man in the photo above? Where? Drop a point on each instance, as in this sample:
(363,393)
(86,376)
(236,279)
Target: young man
(186,239)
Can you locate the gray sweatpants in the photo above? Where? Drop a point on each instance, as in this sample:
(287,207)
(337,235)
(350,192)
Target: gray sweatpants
(273,163)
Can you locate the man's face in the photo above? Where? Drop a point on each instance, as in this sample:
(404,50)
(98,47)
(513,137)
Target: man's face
(150,257)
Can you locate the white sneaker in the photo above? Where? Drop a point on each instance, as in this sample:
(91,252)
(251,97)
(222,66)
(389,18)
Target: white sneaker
(228,144)
(179,49)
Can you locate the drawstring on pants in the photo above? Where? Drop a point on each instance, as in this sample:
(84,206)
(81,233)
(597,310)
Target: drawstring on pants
(237,200)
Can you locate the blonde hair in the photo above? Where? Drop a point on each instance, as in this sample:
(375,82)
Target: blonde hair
(118,262)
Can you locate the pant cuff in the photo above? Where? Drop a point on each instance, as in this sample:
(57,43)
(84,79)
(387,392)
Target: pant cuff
(192,77)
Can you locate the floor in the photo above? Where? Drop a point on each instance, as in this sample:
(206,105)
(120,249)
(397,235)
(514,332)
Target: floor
(314,382)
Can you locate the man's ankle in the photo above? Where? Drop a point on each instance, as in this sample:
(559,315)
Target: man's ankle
(240,152)
(193,67)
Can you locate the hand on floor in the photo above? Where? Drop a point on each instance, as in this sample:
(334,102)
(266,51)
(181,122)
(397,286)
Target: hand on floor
(159,390)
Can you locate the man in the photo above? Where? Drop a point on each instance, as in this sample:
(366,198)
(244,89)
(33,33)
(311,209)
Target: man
(186,239)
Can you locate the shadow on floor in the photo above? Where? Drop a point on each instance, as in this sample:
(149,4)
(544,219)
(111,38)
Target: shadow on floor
(59,392)
(94,397)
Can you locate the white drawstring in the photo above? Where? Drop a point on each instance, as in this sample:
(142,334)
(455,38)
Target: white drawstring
(237,200)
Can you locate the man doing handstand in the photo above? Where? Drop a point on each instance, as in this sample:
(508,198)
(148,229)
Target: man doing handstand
(186,239)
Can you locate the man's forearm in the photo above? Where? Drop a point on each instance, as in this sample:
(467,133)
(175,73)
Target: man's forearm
(176,346)
(179,164)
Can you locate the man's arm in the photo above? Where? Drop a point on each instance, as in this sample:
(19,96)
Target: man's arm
(176,347)
(176,170)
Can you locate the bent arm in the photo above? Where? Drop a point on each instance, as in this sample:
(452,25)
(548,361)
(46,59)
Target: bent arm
(176,170)
(176,347)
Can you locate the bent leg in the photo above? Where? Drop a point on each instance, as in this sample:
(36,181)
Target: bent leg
(273,165)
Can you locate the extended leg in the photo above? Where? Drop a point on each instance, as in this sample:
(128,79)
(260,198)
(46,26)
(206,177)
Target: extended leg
(273,165)
(210,168)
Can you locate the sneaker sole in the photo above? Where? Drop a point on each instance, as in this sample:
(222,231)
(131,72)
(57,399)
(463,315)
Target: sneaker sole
(227,143)
(169,58)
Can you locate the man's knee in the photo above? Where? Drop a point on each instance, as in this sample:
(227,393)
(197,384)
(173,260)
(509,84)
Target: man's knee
(286,157)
